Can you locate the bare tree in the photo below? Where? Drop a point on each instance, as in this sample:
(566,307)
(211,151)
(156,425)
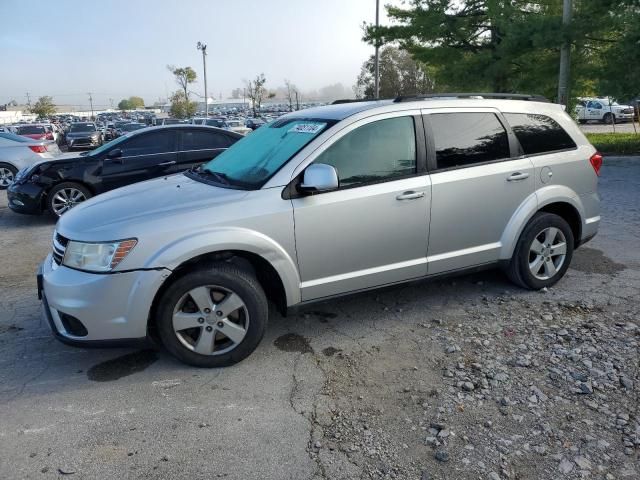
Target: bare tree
(256,92)
(291,91)
(184,76)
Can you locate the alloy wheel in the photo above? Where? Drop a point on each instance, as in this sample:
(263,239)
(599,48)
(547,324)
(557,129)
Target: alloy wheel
(6,177)
(210,320)
(547,253)
(65,199)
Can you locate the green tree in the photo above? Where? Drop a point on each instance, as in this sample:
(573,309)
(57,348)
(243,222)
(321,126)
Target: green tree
(256,92)
(124,104)
(400,74)
(44,107)
(136,102)
(181,107)
(184,76)
(505,46)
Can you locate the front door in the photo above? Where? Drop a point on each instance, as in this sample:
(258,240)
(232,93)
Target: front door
(144,156)
(478,182)
(373,230)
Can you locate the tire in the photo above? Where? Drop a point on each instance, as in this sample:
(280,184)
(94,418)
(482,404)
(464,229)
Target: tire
(524,260)
(582,122)
(206,331)
(7,175)
(608,118)
(66,194)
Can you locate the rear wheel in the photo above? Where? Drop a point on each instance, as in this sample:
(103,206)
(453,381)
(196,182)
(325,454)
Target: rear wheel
(214,317)
(608,118)
(64,196)
(7,175)
(543,252)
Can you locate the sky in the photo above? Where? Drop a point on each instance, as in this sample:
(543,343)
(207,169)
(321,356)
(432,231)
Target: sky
(117,48)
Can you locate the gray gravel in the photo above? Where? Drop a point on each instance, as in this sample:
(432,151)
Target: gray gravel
(462,378)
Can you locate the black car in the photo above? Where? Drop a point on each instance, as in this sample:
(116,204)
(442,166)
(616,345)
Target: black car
(83,135)
(255,123)
(58,185)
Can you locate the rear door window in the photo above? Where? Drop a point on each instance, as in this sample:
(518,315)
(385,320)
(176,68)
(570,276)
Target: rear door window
(203,140)
(466,139)
(539,134)
(161,141)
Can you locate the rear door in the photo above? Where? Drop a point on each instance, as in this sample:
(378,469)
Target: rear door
(199,145)
(144,156)
(479,179)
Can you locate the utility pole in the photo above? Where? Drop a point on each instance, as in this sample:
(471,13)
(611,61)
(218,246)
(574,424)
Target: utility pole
(377,59)
(203,47)
(29,101)
(91,103)
(297,100)
(565,58)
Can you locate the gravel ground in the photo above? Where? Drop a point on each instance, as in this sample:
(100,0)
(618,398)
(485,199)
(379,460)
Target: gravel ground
(462,378)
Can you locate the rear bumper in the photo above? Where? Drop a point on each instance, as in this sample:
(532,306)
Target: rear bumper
(26,198)
(112,309)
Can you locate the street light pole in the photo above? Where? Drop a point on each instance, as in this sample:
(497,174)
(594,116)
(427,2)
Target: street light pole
(377,59)
(565,60)
(203,47)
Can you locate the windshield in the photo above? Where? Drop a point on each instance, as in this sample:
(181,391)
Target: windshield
(106,146)
(83,127)
(253,160)
(30,130)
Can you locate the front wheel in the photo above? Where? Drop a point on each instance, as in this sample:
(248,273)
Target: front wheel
(64,196)
(213,317)
(543,252)
(608,118)
(7,175)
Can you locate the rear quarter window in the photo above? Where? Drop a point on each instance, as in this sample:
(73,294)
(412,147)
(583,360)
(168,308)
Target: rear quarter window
(539,134)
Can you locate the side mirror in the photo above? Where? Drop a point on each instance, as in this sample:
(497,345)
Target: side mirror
(319,177)
(115,153)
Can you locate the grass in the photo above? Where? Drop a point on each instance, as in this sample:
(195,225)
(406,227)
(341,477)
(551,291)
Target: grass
(616,143)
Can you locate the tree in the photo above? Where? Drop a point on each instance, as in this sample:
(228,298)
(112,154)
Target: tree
(291,90)
(184,76)
(256,92)
(236,93)
(181,107)
(505,46)
(124,104)
(399,75)
(44,107)
(136,102)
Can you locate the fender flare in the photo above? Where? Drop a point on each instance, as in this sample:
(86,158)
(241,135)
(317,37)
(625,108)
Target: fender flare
(532,205)
(221,239)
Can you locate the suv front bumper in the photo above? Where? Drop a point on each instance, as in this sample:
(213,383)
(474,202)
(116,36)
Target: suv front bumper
(90,309)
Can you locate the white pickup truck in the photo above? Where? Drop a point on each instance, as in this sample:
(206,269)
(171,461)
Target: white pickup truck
(602,110)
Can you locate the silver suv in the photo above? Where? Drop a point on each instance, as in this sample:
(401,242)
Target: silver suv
(320,203)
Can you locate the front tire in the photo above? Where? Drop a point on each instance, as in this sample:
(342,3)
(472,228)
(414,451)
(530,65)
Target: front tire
(608,118)
(213,317)
(543,252)
(64,196)
(7,175)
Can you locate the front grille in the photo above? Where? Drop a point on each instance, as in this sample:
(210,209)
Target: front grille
(59,247)
(627,110)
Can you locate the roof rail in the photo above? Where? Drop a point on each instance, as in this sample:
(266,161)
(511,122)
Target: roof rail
(502,96)
(353,100)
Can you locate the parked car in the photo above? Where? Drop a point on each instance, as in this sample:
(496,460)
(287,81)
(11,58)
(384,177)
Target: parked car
(129,127)
(238,127)
(57,186)
(599,109)
(321,203)
(18,152)
(254,123)
(35,132)
(83,135)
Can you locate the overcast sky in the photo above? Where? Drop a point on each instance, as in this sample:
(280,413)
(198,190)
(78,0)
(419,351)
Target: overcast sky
(118,48)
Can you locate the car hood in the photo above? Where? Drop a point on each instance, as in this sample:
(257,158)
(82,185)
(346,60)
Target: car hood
(166,201)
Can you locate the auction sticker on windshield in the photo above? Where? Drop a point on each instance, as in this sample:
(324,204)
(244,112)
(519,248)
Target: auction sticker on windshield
(307,127)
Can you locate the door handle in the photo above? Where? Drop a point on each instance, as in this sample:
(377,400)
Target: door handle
(164,164)
(410,195)
(517,176)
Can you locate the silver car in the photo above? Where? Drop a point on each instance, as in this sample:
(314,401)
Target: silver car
(18,152)
(321,203)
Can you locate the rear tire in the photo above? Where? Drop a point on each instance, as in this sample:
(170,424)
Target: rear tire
(221,336)
(608,118)
(543,252)
(64,196)
(7,175)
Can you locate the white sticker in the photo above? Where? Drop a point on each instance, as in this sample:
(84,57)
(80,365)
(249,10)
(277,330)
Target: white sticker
(307,127)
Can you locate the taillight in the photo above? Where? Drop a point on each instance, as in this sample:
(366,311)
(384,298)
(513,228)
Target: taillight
(49,136)
(596,162)
(38,148)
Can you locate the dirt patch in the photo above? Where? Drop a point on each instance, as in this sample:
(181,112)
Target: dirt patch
(330,351)
(590,260)
(122,366)
(292,342)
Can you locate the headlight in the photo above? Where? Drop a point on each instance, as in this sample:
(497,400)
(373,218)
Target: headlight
(97,257)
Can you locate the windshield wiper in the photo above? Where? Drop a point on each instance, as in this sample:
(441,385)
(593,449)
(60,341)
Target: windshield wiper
(220,177)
